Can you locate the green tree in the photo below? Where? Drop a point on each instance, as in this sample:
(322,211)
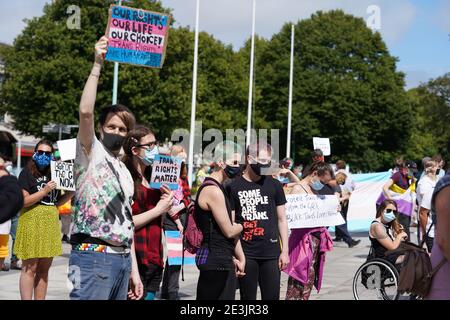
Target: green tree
(431,106)
(49,64)
(346,87)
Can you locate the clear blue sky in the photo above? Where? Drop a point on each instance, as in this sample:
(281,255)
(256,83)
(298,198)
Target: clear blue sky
(416,31)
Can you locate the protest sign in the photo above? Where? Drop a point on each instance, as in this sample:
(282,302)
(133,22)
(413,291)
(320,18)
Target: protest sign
(67,149)
(137,36)
(165,171)
(322,144)
(62,174)
(310,211)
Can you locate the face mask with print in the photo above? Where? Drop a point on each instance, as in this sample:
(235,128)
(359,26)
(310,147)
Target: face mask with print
(388,216)
(317,185)
(112,142)
(42,160)
(149,156)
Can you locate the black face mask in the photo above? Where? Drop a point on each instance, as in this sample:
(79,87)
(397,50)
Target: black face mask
(232,172)
(257,167)
(112,142)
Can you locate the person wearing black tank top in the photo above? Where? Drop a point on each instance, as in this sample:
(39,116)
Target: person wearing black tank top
(380,233)
(220,258)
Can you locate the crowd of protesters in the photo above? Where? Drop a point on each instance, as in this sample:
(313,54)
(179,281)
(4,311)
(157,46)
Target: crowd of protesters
(118,221)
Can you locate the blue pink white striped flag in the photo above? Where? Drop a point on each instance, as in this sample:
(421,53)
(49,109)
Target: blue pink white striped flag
(174,242)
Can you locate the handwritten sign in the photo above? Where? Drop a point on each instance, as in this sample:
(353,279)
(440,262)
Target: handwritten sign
(62,174)
(322,144)
(137,36)
(310,211)
(67,149)
(165,171)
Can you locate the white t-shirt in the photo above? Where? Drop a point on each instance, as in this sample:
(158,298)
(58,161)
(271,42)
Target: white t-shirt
(425,189)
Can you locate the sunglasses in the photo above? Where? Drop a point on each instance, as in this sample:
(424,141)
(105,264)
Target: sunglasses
(148,146)
(391,211)
(41,152)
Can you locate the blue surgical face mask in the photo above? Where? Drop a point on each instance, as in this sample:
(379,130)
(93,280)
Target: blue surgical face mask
(388,216)
(317,185)
(149,156)
(42,160)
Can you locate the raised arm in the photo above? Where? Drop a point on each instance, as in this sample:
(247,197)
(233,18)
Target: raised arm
(86,130)
(386,188)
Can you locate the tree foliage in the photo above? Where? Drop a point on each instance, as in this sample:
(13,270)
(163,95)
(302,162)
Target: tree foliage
(346,85)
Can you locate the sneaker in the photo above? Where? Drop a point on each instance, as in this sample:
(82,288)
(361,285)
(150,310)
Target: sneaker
(353,243)
(4,267)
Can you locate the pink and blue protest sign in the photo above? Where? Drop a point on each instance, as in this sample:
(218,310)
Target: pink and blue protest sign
(137,36)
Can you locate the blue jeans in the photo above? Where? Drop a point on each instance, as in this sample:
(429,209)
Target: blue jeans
(99,276)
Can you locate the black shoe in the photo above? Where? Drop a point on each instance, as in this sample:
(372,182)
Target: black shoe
(353,243)
(337,239)
(65,239)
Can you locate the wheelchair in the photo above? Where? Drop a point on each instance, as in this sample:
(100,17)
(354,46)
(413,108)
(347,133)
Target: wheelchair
(377,279)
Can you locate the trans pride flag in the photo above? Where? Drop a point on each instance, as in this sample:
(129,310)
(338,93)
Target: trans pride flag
(363,201)
(174,242)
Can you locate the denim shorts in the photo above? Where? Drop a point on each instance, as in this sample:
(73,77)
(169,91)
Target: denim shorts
(99,276)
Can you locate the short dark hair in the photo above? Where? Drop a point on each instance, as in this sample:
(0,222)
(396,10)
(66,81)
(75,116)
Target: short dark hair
(122,112)
(322,168)
(341,165)
(317,153)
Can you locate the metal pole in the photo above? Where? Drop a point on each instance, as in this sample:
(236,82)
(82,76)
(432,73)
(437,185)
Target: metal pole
(116,76)
(60,132)
(250,91)
(194,98)
(291,82)
(19,156)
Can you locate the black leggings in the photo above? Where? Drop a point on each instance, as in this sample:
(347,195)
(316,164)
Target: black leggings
(216,285)
(264,272)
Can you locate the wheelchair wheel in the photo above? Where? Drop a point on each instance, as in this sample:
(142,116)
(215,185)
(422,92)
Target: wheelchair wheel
(376,279)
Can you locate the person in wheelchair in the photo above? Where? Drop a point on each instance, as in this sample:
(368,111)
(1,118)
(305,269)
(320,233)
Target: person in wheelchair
(386,234)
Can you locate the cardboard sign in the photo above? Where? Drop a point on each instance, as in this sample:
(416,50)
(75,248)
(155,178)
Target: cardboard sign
(67,149)
(165,171)
(310,211)
(62,174)
(322,144)
(137,36)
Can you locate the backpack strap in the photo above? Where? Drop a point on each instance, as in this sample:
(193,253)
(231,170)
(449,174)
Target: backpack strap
(426,235)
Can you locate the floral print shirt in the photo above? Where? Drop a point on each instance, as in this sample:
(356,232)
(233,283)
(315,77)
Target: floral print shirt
(104,191)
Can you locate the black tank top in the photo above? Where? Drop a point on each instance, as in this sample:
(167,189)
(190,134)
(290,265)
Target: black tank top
(377,247)
(216,250)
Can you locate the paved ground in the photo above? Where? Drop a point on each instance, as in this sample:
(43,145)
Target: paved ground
(340,267)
